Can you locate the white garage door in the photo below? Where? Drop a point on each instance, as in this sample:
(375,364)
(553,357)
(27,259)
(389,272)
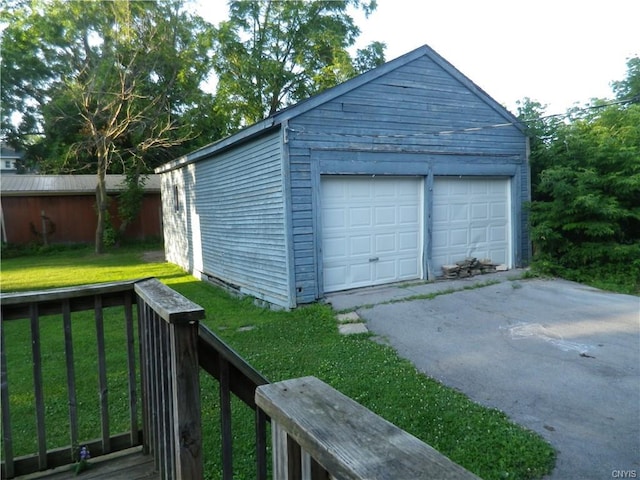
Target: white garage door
(471,218)
(371,230)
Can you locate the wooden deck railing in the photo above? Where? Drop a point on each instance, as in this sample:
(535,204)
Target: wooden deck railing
(235,376)
(37,308)
(166,348)
(317,433)
(174,347)
(170,379)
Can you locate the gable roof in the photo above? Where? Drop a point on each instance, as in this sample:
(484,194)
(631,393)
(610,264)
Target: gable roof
(281,116)
(32,185)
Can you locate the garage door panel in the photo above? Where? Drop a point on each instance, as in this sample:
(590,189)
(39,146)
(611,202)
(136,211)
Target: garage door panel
(480,188)
(358,190)
(385,243)
(383,232)
(359,245)
(360,217)
(499,210)
(498,255)
(408,269)
(334,191)
(457,212)
(336,248)
(360,273)
(498,234)
(470,218)
(440,214)
(336,274)
(409,215)
(386,271)
(479,212)
(458,237)
(479,234)
(408,242)
(385,216)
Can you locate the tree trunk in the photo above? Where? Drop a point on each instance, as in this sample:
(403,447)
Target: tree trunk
(101,205)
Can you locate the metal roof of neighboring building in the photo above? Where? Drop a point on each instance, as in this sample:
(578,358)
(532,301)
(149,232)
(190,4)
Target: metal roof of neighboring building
(22,185)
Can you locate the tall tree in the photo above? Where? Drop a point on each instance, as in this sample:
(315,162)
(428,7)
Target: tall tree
(107,83)
(272,53)
(629,88)
(542,132)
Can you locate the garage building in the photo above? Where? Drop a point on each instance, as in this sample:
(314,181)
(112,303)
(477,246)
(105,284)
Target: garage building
(381,179)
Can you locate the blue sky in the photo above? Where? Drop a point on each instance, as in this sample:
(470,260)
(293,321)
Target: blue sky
(558,52)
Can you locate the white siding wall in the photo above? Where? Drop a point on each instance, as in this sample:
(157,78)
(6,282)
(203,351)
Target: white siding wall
(177,234)
(233,226)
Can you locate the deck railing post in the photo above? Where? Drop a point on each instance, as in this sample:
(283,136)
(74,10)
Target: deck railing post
(187,434)
(177,429)
(7,439)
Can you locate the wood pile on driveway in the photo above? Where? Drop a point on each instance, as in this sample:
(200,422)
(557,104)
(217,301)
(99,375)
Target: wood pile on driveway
(470,267)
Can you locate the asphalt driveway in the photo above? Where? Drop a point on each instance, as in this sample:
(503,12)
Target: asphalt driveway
(559,358)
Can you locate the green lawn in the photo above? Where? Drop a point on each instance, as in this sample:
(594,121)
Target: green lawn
(281,345)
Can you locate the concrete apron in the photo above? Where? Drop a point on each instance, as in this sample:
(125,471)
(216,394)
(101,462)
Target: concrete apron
(558,357)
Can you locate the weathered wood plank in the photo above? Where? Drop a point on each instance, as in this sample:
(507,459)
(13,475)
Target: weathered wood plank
(348,440)
(38,386)
(131,366)
(71,373)
(225,419)
(130,464)
(66,292)
(261,445)
(279,444)
(156,433)
(165,428)
(59,457)
(7,438)
(187,429)
(103,386)
(243,378)
(168,400)
(293,459)
(169,304)
(145,361)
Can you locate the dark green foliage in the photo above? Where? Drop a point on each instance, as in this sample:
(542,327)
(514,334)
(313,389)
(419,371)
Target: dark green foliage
(629,88)
(66,61)
(586,197)
(272,53)
(105,87)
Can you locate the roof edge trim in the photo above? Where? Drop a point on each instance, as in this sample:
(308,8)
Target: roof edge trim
(249,133)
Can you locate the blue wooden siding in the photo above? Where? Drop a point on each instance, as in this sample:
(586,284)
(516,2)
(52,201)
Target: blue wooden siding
(237,219)
(413,120)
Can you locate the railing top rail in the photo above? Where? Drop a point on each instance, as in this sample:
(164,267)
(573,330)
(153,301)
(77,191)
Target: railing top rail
(348,440)
(212,341)
(169,304)
(63,293)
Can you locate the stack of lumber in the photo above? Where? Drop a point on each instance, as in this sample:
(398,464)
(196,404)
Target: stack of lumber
(470,267)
